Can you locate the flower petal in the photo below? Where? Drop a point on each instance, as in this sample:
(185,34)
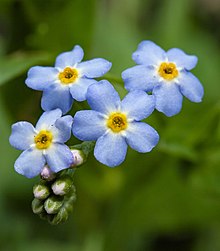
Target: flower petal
(94,68)
(88,125)
(69,58)
(138,105)
(181,59)
(58,157)
(57,98)
(168,98)
(41,78)
(102,97)
(139,77)
(48,119)
(191,87)
(141,137)
(30,163)
(79,90)
(110,149)
(62,129)
(148,53)
(22,135)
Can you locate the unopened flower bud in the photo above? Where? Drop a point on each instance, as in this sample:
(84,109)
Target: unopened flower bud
(67,208)
(81,151)
(37,206)
(47,174)
(53,204)
(62,185)
(78,157)
(41,191)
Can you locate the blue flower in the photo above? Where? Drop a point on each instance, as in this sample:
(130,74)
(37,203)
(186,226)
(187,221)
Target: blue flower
(166,75)
(42,144)
(68,80)
(115,123)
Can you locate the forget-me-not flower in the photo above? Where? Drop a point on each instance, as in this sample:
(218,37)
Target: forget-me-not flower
(115,123)
(42,144)
(69,79)
(166,75)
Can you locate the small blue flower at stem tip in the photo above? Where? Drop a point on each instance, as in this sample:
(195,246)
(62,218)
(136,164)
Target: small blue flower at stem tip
(43,144)
(166,74)
(114,124)
(69,79)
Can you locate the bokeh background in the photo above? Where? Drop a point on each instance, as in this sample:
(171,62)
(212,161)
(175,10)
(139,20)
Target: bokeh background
(166,200)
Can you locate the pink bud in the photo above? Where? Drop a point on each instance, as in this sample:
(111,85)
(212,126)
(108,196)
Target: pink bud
(47,174)
(78,157)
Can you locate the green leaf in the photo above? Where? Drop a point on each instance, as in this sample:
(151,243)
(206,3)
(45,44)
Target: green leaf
(14,65)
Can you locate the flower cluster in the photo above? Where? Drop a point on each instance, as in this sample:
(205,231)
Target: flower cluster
(158,81)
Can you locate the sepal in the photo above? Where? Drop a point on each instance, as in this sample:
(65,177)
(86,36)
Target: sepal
(62,185)
(41,191)
(37,206)
(53,204)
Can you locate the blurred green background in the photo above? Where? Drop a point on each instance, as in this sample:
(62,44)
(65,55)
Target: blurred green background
(166,200)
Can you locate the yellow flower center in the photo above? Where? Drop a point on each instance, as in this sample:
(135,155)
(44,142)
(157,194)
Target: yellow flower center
(43,139)
(168,71)
(117,122)
(68,75)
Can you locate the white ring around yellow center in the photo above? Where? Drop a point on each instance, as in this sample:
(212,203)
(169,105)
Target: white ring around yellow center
(43,139)
(168,70)
(68,76)
(117,122)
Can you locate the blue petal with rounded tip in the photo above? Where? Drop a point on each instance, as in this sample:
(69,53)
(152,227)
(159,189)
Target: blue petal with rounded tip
(58,157)
(22,135)
(57,98)
(79,89)
(48,119)
(168,98)
(138,105)
(62,129)
(102,97)
(88,125)
(191,87)
(30,163)
(41,78)
(148,53)
(139,77)
(69,58)
(110,149)
(181,59)
(94,68)
(141,137)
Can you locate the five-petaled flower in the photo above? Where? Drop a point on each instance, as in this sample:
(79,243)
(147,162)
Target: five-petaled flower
(165,74)
(43,144)
(68,80)
(115,123)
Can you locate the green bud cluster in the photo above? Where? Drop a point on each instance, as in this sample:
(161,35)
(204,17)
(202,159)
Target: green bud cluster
(55,194)
(54,199)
